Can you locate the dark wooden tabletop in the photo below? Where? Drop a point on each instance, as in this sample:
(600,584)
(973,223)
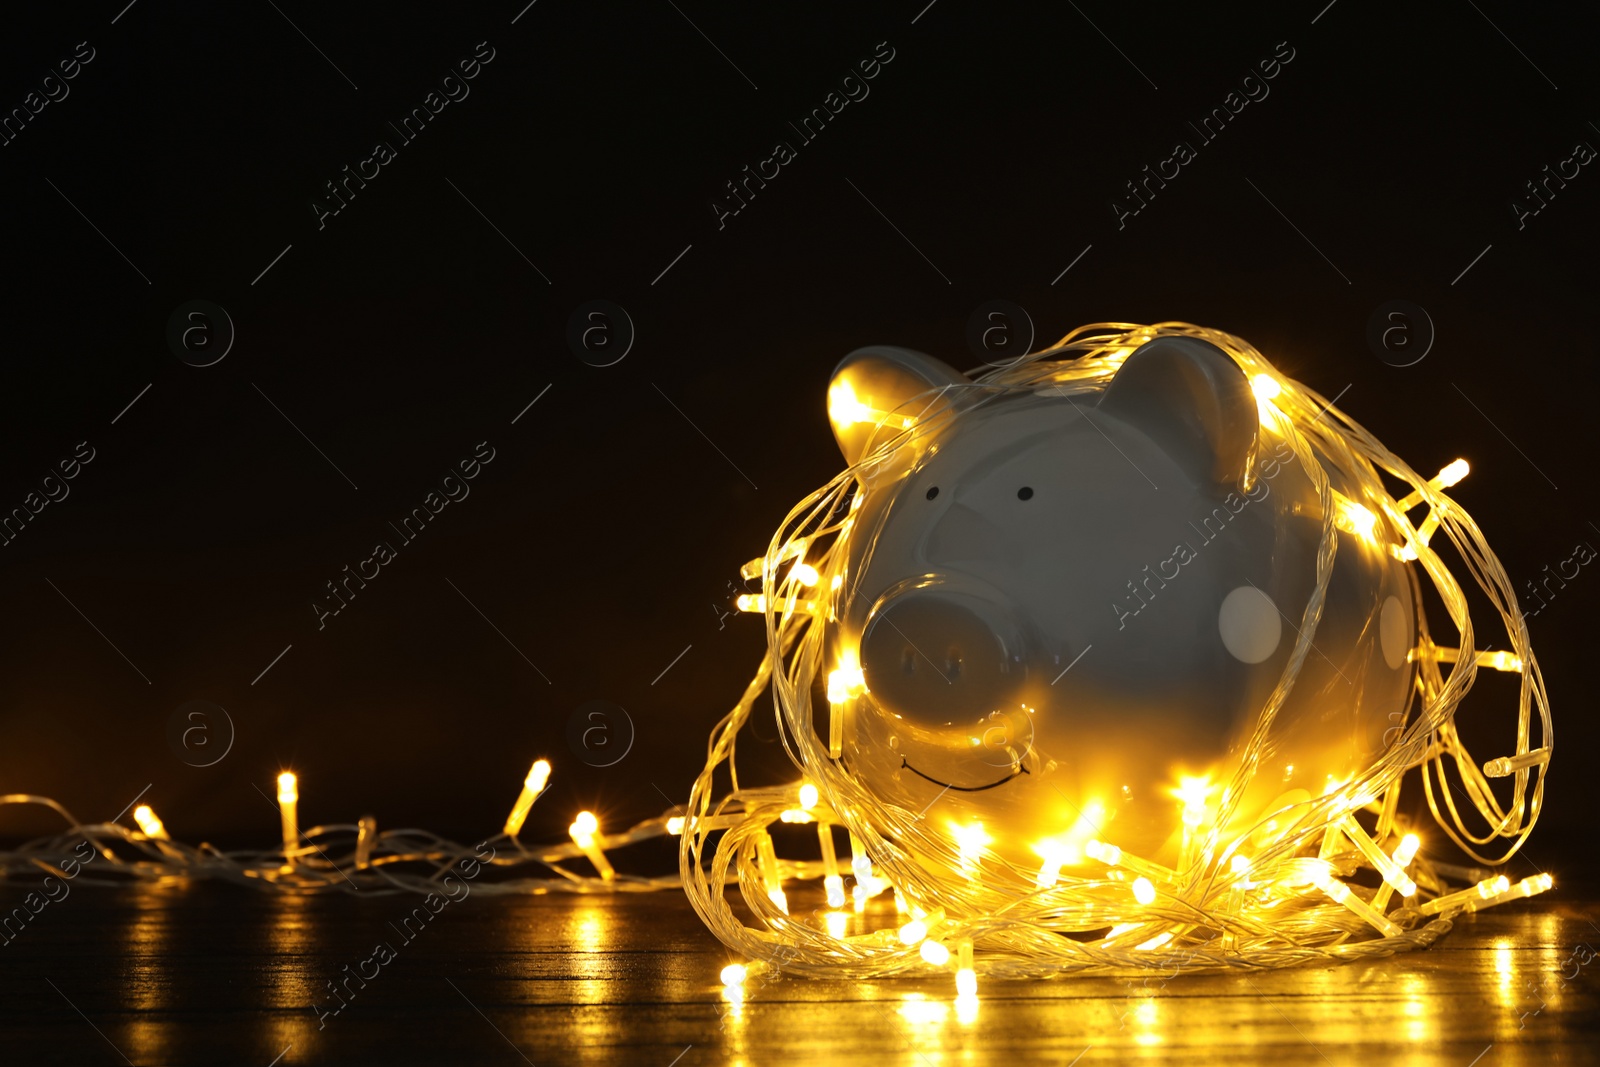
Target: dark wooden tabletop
(209,974)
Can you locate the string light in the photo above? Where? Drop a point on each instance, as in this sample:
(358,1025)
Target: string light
(288,810)
(1288,902)
(1281,890)
(145,816)
(585,833)
(366,836)
(532,786)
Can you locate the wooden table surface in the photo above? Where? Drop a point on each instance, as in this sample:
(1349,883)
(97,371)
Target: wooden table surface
(209,974)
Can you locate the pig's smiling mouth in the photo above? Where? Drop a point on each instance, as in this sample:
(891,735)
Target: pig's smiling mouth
(905,764)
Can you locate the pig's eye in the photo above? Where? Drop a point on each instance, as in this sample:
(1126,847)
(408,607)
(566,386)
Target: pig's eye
(1025,493)
(933,491)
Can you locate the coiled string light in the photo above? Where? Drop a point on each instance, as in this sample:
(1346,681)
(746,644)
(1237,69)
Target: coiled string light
(1281,893)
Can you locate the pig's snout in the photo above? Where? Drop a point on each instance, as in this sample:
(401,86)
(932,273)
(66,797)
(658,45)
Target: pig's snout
(943,651)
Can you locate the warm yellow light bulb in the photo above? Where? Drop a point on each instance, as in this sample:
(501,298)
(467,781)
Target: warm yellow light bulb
(837,923)
(844,683)
(1406,850)
(1265,386)
(913,931)
(734,974)
(808,796)
(1452,473)
(584,831)
(844,409)
(1110,855)
(1144,891)
(675,825)
(289,815)
(532,786)
(1193,790)
(935,953)
(805,574)
(966,982)
(538,776)
(146,818)
(970,841)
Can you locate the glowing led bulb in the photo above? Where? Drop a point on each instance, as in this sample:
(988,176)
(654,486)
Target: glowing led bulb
(913,931)
(1529,886)
(844,683)
(935,953)
(1406,850)
(532,786)
(734,974)
(805,574)
(970,841)
(1143,890)
(1469,898)
(1452,473)
(808,796)
(585,831)
(366,836)
(288,811)
(675,825)
(834,886)
(1110,855)
(1265,386)
(966,977)
(844,409)
(1357,519)
(860,862)
(837,922)
(146,818)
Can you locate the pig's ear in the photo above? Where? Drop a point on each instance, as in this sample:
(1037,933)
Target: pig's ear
(879,391)
(1193,401)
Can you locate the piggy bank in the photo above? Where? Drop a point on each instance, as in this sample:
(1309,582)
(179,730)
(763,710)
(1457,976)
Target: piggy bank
(1070,601)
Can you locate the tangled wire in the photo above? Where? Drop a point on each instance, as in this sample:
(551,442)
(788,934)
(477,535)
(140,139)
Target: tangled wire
(1283,891)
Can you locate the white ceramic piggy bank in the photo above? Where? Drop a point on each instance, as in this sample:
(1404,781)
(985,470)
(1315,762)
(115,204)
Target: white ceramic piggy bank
(1069,604)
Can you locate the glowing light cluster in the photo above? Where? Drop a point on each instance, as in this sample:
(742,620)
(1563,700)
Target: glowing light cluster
(1279,893)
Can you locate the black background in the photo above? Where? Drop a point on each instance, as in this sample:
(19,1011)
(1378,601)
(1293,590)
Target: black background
(604,536)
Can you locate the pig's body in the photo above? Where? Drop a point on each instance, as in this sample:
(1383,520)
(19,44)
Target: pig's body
(1064,601)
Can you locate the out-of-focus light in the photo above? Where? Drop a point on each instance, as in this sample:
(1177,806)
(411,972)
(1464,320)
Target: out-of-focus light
(149,823)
